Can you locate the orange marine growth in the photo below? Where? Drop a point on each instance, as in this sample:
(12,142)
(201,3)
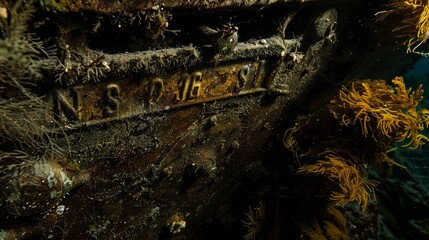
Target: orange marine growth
(408,20)
(255,220)
(351,184)
(337,145)
(383,111)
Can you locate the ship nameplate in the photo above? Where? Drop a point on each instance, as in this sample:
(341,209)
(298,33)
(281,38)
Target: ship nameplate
(107,100)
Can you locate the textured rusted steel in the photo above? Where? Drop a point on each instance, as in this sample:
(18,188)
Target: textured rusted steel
(128,97)
(170,127)
(140,5)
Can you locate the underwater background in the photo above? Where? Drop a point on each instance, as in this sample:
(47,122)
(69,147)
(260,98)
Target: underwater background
(416,160)
(403,197)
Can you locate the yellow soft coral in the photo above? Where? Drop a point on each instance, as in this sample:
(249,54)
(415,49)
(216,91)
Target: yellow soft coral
(334,226)
(255,220)
(408,20)
(383,111)
(351,184)
(339,143)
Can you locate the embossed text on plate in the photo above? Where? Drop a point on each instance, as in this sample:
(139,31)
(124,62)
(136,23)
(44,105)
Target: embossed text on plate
(126,97)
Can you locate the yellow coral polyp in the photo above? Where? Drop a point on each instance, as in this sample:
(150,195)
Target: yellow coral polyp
(383,110)
(352,185)
(334,226)
(361,124)
(408,20)
(255,220)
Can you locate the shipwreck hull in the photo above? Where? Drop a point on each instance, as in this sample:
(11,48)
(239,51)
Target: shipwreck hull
(177,110)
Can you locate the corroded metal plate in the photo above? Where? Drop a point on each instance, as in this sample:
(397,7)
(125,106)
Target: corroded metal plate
(124,98)
(164,126)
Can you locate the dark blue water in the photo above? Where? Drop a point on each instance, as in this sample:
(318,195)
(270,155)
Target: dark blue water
(404,196)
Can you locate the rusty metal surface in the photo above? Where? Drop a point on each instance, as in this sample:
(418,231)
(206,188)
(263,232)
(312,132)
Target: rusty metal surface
(158,128)
(139,5)
(127,98)
(90,103)
(122,98)
(171,135)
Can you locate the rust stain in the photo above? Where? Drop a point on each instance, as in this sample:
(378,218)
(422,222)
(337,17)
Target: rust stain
(92,103)
(107,6)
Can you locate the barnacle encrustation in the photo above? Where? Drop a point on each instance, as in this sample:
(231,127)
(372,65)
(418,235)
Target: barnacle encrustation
(35,174)
(31,187)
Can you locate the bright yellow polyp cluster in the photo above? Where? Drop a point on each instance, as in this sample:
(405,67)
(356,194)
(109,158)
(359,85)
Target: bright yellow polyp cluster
(338,145)
(383,111)
(408,20)
(352,185)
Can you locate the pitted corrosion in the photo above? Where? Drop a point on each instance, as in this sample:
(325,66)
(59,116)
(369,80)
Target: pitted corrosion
(107,6)
(92,103)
